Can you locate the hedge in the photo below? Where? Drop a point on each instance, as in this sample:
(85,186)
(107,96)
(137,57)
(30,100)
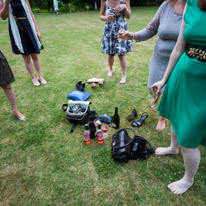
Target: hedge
(48,4)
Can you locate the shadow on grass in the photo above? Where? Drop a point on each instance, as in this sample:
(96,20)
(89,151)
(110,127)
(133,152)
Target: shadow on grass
(104,164)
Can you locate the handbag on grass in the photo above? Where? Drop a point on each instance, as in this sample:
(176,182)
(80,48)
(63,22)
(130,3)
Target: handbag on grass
(125,148)
(77,112)
(105,118)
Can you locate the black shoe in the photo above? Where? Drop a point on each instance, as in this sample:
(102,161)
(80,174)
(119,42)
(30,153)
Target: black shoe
(140,122)
(80,86)
(83,87)
(131,116)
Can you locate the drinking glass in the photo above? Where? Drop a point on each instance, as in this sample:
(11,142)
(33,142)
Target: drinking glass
(111,14)
(121,31)
(154,95)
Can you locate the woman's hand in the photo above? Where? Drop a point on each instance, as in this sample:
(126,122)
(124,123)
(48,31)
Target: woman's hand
(7,1)
(157,86)
(126,35)
(38,35)
(110,18)
(120,7)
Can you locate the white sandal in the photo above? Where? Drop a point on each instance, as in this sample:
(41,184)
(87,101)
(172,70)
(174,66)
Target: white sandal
(43,81)
(22,118)
(35,83)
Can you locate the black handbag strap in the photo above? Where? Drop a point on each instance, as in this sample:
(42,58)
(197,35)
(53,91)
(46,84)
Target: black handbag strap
(115,134)
(150,150)
(63,107)
(73,126)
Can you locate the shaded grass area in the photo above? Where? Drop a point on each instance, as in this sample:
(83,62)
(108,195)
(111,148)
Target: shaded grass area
(41,163)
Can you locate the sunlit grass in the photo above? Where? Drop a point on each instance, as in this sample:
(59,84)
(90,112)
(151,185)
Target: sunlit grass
(41,163)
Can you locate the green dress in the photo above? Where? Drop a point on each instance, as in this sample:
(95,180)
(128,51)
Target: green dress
(184,98)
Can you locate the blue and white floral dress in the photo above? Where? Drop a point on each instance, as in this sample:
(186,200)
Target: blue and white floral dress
(109,40)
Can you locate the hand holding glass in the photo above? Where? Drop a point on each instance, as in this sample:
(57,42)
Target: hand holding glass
(120,33)
(154,94)
(109,16)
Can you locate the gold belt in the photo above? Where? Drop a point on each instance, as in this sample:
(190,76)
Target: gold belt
(16,18)
(195,52)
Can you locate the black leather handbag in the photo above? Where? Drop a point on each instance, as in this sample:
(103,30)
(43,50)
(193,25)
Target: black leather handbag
(125,148)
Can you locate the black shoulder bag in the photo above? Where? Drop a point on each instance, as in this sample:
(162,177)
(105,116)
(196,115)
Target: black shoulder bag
(125,148)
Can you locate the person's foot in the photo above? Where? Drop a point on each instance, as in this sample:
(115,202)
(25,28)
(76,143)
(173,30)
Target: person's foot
(123,80)
(18,115)
(181,186)
(161,124)
(109,73)
(35,82)
(161,151)
(42,80)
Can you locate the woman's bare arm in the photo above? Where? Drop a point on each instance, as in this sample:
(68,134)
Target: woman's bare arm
(36,27)
(127,11)
(102,11)
(104,17)
(126,7)
(4,9)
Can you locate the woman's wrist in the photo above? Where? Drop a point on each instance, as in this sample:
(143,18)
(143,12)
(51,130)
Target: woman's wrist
(132,36)
(125,6)
(163,81)
(6,3)
(135,37)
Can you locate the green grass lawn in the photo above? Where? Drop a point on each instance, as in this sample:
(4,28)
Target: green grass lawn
(41,163)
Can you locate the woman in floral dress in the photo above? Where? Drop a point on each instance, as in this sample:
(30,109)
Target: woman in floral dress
(113,12)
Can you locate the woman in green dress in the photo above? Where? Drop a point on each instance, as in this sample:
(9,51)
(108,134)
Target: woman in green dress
(183,101)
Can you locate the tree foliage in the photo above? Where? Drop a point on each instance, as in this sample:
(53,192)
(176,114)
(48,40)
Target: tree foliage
(46,4)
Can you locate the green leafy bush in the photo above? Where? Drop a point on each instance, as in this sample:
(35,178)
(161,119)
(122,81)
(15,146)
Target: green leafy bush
(79,5)
(44,11)
(51,10)
(36,10)
(64,8)
(88,6)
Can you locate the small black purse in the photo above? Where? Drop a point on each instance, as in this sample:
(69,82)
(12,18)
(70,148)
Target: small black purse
(125,148)
(105,118)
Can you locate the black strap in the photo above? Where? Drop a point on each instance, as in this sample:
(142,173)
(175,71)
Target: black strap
(73,126)
(128,142)
(150,150)
(63,107)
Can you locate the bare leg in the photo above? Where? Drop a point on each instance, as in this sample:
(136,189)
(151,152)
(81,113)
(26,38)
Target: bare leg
(191,161)
(8,90)
(28,65)
(172,149)
(37,67)
(110,62)
(161,124)
(123,64)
